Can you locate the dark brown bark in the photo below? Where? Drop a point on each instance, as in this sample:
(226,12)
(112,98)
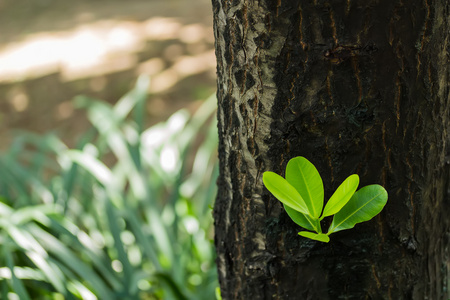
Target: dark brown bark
(356,87)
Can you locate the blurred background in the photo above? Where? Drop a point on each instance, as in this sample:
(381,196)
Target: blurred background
(51,51)
(108,147)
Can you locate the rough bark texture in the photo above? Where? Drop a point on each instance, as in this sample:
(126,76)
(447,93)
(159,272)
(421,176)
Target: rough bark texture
(356,87)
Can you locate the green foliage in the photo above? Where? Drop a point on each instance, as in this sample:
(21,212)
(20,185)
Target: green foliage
(302,195)
(285,192)
(341,196)
(315,236)
(124,215)
(301,174)
(363,206)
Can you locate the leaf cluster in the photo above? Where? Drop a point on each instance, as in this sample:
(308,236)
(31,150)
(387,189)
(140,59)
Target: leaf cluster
(302,195)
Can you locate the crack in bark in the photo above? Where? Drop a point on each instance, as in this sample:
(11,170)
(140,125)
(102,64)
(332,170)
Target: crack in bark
(423,36)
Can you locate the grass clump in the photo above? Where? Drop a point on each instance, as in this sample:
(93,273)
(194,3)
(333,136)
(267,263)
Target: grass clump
(124,215)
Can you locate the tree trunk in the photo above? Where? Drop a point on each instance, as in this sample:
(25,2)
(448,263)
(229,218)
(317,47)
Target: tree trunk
(356,87)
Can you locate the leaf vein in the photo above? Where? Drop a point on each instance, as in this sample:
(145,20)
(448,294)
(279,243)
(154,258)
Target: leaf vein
(331,229)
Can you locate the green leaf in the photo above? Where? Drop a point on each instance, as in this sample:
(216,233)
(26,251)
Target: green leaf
(93,165)
(118,244)
(284,192)
(303,220)
(341,196)
(17,284)
(66,257)
(363,206)
(218,294)
(321,237)
(302,175)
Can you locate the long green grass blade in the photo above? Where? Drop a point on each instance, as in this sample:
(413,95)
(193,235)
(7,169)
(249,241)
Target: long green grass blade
(68,258)
(148,247)
(82,243)
(118,245)
(17,284)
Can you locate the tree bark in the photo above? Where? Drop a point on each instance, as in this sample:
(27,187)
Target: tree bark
(356,87)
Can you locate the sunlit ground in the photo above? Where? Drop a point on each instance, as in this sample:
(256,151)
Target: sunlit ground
(96,56)
(109,46)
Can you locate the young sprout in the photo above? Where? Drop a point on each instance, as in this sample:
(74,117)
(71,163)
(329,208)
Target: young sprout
(302,195)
